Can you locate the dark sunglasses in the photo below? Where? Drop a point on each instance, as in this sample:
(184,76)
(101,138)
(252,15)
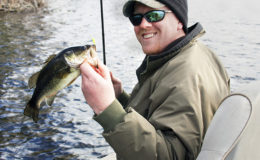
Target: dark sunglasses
(151,16)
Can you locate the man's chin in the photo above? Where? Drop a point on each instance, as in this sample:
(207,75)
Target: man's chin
(150,51)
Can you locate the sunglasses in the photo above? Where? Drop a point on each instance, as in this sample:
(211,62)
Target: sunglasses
(151,16)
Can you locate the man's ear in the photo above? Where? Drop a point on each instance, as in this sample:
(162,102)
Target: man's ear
(180,26)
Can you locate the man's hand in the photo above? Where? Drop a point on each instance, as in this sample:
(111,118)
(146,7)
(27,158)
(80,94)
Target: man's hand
(97,86)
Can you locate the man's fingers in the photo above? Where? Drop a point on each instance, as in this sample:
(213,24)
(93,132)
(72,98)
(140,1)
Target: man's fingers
(86,69)
(104,70)
(114,79)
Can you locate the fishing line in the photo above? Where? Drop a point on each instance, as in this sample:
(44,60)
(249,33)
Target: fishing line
(103,32)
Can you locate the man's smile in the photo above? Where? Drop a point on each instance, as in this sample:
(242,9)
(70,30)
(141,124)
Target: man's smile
(148,35)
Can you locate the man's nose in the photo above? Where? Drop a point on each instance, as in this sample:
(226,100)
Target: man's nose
(145,23)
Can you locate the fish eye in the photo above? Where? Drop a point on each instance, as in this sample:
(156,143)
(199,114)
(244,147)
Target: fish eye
(86,46)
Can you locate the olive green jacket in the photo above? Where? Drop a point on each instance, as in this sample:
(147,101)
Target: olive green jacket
(170,108)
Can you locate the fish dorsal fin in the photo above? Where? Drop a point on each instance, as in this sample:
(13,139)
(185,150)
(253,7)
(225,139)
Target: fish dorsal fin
(49,58)
(33,80)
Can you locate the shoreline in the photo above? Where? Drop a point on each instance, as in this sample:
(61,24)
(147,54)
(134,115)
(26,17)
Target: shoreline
(21,5)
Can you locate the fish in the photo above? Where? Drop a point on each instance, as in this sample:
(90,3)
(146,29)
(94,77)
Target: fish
(59,71)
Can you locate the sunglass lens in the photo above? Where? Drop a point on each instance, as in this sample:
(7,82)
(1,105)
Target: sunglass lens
(136,19)
(154,16)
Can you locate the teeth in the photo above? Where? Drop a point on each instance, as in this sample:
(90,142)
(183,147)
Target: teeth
(148,35)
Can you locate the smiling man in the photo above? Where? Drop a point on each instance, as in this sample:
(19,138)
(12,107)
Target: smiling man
(180,85)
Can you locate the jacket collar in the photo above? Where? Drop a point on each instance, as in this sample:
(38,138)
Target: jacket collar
(153,62)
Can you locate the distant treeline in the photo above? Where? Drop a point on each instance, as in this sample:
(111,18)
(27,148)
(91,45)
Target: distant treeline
(20,5)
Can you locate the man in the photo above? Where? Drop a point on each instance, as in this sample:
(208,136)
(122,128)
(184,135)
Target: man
(180,85)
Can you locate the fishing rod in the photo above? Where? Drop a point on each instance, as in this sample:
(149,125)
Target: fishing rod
(103,32)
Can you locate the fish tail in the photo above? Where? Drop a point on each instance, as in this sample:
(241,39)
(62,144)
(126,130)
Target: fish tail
(31,110)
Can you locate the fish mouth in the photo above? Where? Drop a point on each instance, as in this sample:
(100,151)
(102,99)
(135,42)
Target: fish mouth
(93,47)
(92,59)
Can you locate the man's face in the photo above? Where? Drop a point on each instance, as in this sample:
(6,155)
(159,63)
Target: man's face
(156,36)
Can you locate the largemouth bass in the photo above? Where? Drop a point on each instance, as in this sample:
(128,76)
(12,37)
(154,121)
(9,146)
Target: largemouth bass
(59,71)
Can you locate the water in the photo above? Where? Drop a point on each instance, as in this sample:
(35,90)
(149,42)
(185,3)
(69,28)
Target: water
(66,130)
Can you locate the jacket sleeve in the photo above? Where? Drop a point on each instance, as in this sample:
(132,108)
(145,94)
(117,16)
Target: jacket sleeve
(135,138)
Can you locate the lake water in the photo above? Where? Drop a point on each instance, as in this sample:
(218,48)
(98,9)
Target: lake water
(66,130)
